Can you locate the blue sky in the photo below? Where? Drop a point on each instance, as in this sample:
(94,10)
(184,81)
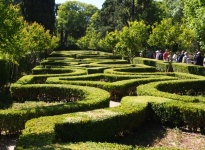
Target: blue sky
(97,3)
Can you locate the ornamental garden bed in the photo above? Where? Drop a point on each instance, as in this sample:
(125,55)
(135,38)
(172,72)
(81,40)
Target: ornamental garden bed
(70,103)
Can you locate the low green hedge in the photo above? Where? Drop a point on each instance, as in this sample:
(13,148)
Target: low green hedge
(145,61)
(188,68)
(51,70)
(116,89)
(185,76)
(96,125)
(12,121)
(40,79)
(55,62)
(176,67)
(107,77)
(172,90)
(131,70)
(93,70)
(104,124)
(45,92)
(65,71)
(114,61)
(177,113)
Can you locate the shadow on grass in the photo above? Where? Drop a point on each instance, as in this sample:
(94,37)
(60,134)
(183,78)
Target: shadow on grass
(145,136)
(6,101)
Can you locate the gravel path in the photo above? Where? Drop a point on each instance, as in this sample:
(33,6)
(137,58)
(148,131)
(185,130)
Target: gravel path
(114,104)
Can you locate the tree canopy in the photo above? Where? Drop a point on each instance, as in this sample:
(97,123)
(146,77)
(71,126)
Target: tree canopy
(40,11)
(73,18)
(10,27)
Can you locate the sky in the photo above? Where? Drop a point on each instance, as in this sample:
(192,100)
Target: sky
(97,3)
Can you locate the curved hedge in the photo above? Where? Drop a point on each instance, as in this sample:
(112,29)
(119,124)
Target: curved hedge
(99,125)
(172,90)
(176,67)
(116,89)
(131,70)
(178,113)
(96,125)
(60,70)
(12,121)
(86,117)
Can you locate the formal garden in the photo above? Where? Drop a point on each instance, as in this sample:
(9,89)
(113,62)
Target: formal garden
(65,102)
(77,77)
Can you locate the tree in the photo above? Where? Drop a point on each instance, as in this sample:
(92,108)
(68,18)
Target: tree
(108,43)
(40,11)
(11,24)
(174,9)
(90,40)
(115,14)
(194,11)
(167,35)
(132,39)
(73,18)
(35,39)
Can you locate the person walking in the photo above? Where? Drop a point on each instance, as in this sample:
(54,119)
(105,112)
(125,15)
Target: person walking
(180,57)
(174,57)
(185,58)
(199,59)
(165,55)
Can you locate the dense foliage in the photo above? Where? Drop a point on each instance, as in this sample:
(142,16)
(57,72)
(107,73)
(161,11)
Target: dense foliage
(72,20)
(18,39)
(40,11)
(176,25)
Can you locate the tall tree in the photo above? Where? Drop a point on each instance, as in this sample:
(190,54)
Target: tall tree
(108,43)
(10,26)
(132,39)
(174,9)
(40,11)
(167,34)
(194,11)
(73,18)
(35,39)
(115,14)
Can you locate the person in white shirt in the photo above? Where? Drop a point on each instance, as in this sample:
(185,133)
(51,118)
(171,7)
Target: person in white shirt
(186,58)
(174,57)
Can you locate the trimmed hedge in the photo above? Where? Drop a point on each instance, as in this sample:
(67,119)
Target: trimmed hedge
(122,79)
(188,68)
(96,125)
(107,77)
(12,121)
(172,90)
(62,70)
(45,131)
(93,70)
(176,67)
(116,89)
(177,113)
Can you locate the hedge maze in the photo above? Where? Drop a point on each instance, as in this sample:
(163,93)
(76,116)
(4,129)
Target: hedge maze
(65,103)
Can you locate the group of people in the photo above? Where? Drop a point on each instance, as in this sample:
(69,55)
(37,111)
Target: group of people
(182,57)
